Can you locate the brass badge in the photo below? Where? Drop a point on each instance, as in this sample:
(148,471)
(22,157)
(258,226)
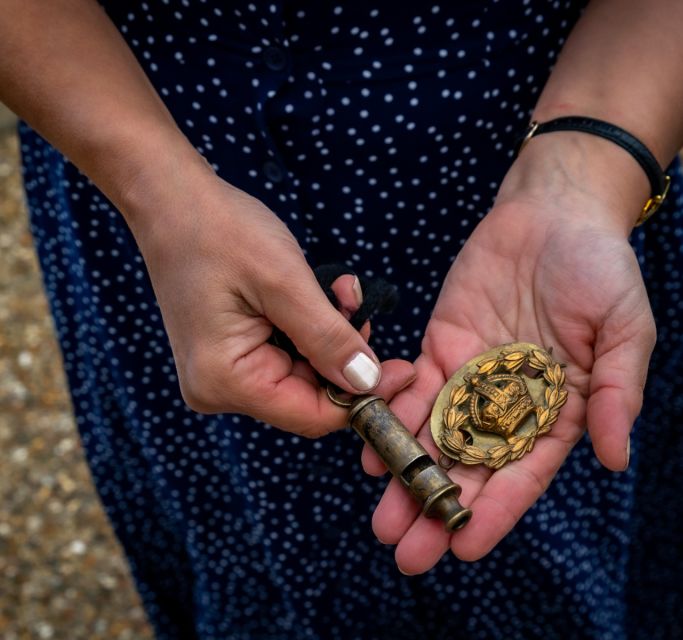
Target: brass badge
(494,407)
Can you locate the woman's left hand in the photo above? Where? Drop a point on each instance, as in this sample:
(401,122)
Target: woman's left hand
(550,266)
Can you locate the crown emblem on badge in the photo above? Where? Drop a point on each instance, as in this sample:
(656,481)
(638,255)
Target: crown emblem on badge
(499,403)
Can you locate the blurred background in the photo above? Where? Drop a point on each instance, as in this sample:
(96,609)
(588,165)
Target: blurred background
(62,573)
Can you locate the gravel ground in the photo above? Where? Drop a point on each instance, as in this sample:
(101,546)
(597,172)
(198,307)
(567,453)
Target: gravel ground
(62,573)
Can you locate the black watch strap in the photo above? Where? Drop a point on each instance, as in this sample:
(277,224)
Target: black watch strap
(659,182)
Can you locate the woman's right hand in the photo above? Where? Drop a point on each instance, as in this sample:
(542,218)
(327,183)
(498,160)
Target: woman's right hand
(224,268)
(225,271)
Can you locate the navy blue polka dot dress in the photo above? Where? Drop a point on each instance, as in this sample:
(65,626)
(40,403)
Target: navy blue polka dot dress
(379,131)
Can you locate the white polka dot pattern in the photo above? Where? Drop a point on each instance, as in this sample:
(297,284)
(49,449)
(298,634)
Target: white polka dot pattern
(379,132)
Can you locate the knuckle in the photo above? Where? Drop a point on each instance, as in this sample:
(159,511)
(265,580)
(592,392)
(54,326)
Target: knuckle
(652,333)
(331,334)
(312,424)
(205,385)
(311,431)
(646,328)
(283,276)
(197,397)
(267,279)
(196,401)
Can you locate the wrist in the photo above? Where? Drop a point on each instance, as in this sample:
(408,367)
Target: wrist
(589,179)
(157,180)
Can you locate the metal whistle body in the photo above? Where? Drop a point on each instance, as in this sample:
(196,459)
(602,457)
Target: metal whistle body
(408,461)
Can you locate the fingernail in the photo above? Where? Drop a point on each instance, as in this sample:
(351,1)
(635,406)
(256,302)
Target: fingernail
(362,372)
(628,452)
(357,291)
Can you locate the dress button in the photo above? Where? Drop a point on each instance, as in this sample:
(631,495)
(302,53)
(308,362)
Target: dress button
(273,171)
(275,58)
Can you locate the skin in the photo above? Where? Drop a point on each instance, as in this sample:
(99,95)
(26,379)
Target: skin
(549,264)
(224,268)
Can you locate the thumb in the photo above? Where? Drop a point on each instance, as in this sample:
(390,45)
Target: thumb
(321,333)
(616,394)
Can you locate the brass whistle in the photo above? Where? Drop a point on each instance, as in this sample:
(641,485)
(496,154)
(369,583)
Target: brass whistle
(408,461)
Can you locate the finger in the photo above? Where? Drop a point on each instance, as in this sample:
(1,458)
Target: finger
(616,395)
(294,400)
(397,510)
(349,294)
(422,547)
(365,331)
(371,462)
(296,304)
(283,393)
(347,289)
(511,491)
(396,375)
(394,513)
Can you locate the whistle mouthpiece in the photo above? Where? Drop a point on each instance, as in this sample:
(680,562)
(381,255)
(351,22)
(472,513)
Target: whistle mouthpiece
(408,461)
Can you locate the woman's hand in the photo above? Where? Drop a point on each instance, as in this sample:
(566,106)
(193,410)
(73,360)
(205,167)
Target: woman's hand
(550,264)
(224,268)
(225,271)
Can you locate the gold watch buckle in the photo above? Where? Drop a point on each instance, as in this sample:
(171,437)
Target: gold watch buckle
(654,203)
(530,132)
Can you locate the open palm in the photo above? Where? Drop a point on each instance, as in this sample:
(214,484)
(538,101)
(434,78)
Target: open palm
(532,274)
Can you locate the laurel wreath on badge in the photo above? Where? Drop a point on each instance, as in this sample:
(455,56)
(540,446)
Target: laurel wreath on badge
(456,442)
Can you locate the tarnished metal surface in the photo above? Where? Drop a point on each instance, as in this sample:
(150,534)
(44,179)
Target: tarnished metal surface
(408,461)
(495,406)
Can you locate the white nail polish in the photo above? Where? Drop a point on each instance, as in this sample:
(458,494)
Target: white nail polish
(628,452)
(362,372)
(357,290)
